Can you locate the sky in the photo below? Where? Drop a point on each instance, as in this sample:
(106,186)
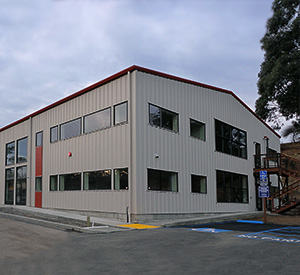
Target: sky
(50,49)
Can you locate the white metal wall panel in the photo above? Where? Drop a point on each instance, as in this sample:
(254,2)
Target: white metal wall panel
(180,153)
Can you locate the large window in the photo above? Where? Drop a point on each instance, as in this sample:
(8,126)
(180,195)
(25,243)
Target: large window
(230,140)
(199,184)
(97,180)
(232,187)
(10,153)
(70,182)
(70,129)
(162,180)
(21,185)
(53,134)
(9,185)
(120,113)
(97,121)
(22,150)
(163,118)
(121,179)
(197,129)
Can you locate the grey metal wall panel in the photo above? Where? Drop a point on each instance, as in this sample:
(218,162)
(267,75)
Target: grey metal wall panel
(180,153)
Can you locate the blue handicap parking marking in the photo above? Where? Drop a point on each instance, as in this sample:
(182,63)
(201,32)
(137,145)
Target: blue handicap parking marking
(210,230)
(290,234)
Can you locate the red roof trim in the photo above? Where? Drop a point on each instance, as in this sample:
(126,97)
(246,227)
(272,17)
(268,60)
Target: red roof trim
(123,72)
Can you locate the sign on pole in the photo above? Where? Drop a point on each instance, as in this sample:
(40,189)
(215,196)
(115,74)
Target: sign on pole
(263,178)
(263,191)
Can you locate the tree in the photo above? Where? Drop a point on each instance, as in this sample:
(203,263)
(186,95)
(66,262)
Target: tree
(292,130)
(279,76)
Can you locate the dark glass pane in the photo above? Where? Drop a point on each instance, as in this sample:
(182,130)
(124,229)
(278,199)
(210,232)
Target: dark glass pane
(153,179)
(9,186)
(219,144)
(227,131)
(167,120)
(227,146)
(121,179)
(219,127)
(98,180)
(198,184)
(10,153)
(97,121)
(168,181)
(154,115)
(242,137)
(21,185)
(70,129)
(70,182)
(235,149)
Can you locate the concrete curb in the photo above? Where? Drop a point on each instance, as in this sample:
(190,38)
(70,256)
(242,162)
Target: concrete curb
(213,219)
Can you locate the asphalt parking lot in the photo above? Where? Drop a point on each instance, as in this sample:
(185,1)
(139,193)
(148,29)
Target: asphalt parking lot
(28,248)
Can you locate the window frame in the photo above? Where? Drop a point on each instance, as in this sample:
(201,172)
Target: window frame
(57,134)
(230,192)
(14,153)
(201,124)
(114,179)
(224,141)
(205,182)
(114,113)
(68,174)
(97,189)
(161,111)
(68,122)
(37,138)
(18,161)
(57,183)
(94,113)
(149,188)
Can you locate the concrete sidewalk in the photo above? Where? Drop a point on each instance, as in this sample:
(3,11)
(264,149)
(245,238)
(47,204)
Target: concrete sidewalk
(78,222)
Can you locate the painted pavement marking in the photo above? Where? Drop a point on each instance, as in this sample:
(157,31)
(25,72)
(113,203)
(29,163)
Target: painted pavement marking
(290,234)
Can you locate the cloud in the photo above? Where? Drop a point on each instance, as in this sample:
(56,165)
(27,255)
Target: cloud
(49,49)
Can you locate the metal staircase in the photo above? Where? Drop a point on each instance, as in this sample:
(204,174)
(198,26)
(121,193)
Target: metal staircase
(287,197)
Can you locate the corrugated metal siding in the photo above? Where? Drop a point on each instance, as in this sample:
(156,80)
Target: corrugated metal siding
(185,155)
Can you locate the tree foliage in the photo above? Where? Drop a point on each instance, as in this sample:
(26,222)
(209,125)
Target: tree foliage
(279,76)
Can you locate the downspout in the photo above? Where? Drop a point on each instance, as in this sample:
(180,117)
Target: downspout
(29,179)
(130,109)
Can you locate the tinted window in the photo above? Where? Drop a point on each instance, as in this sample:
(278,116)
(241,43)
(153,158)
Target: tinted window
(54,134)
(70,129)
(10,153)
(97,121)
(120,113)
(22,150)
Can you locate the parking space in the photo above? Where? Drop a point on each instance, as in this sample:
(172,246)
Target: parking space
(266,232)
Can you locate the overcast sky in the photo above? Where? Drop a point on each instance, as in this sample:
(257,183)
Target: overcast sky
(52,48)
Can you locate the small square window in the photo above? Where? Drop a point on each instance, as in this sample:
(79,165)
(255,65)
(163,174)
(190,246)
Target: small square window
(120,113)
(197,129)
(199,184)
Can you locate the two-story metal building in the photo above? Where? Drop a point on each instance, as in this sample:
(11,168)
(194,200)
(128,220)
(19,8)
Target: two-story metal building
(139,142)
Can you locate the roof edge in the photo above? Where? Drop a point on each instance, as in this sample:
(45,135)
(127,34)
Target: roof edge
(123,72)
